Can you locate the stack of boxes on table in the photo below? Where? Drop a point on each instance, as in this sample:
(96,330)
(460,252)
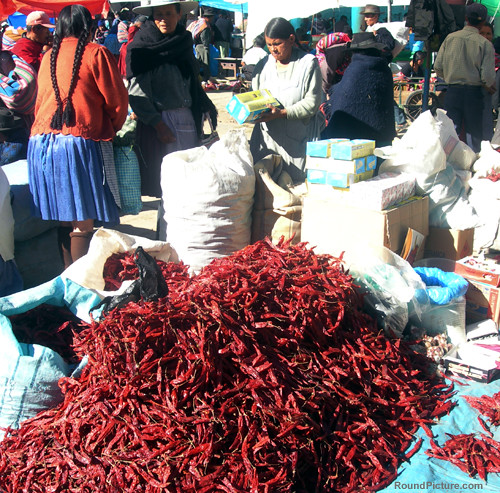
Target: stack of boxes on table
(348,206)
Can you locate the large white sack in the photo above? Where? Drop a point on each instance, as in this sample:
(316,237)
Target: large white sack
(87,271)
(208,199)
(418,152)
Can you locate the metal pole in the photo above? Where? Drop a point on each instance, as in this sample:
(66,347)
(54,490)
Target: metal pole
(389,11)
(427,77)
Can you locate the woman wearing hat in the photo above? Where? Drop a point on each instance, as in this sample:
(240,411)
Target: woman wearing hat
(361,105)
(293,77)
(81,103)
(165,91)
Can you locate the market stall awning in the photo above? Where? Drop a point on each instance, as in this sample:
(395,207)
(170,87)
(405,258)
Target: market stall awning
(493,6)
(260,12)
(231,5)
(52,7)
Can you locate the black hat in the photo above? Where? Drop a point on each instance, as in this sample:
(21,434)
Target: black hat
(371,9)
(476,11)
(208,11)
(8,120)
(365,41)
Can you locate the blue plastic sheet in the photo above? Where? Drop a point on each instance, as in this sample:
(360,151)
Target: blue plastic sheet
(428,474)
(442,287)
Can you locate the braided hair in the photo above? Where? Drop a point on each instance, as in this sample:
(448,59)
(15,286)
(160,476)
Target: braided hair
(74,21)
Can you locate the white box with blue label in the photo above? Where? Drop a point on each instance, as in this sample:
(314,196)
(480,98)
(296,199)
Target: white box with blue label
(335,179)
(352,149)
(322,148)
(355,166)
(248,106)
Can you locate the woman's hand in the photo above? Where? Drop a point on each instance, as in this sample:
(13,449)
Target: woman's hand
(164,133)
(274,114)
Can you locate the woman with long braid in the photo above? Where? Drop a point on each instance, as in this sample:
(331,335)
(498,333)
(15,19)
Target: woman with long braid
(81,103)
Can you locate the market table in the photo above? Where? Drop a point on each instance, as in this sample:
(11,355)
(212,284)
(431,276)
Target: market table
(424,474)
(230,64)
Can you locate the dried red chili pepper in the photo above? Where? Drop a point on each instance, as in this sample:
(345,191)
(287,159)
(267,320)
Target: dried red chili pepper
(261,373)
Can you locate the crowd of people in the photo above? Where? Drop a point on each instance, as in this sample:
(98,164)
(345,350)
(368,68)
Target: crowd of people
(65,94)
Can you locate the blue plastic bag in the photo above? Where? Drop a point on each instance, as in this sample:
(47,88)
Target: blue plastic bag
(442,287)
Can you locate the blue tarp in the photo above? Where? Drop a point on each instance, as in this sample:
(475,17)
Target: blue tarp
(424,474)
(221,4)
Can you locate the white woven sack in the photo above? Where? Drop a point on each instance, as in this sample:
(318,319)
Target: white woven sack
(208,199)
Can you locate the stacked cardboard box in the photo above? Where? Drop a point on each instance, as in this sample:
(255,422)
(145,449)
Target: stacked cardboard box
(339,163)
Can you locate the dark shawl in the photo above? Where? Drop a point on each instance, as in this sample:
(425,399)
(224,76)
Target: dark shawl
(150,48)
(361,105)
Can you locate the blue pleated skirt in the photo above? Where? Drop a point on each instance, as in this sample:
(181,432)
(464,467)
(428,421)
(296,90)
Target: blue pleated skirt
(68,181)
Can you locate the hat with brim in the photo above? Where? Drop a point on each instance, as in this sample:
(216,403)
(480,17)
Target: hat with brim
(208,11)
(365,41)
(371,9)
(146,7)
(9,121)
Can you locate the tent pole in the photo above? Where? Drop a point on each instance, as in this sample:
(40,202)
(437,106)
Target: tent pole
(427,77)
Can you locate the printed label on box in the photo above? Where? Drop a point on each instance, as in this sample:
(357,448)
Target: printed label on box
(355,166)
(352,149)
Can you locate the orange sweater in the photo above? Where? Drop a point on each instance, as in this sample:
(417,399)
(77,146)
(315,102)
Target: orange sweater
(100,98)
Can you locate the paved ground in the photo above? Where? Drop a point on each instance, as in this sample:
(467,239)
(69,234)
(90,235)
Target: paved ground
(144,223)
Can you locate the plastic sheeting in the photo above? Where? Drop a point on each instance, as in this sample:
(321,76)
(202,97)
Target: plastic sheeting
(438,475)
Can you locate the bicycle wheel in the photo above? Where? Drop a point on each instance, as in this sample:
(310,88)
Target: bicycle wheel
(414,102)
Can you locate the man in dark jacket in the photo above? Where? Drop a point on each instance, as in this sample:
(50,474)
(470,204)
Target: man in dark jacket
(224,27)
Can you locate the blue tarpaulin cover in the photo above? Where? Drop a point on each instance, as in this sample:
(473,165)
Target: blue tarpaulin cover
(424,474)
(221,4)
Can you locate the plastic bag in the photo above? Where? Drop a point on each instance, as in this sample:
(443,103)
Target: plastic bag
(446,312)
(448,203)
(458,153)
(390,285)
(418,152)
(488,160)
(442,287)
(150,286)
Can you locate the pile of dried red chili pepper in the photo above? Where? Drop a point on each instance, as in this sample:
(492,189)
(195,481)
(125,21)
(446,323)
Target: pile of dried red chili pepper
(50,326)
(261,373)
(488,406)
(473,455)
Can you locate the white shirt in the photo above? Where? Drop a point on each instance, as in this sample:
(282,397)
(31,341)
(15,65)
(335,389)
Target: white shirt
(254,55)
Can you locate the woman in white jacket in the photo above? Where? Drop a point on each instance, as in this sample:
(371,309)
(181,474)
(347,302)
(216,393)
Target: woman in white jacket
(293,77)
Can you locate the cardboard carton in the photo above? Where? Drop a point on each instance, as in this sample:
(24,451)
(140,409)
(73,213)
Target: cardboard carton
(448,243)
(354,166)
(352,149)
(482,301)
(333,226)
(322,148)
(384,190)
(486,271)
(473,370)
(248,106)
(337,180)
